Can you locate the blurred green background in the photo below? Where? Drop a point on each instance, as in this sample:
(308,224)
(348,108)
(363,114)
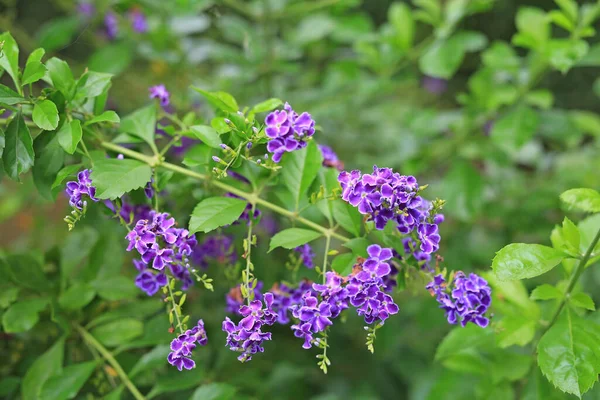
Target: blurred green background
(437,89)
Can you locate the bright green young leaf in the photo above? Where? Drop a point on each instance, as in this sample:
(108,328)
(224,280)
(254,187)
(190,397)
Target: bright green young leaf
(343,263)
(582,199)
(23,315)
(77,296)
(34,69)
(49,159)
(41,370)
(546,292)
(400,16)
(347,216)
(442,58)
(522,261)
(69,170)
(9,96)
(582,300)
(9,57)
(141,123)
(115,288)
(66,384)
(299,170)
(207,134)
(18,152)
(70,135)
(515,128)
(214,391)
(515,330)
(219,100)
(267,105)
(292,238)
(113,178)
(215,212)
(92,84)
(106,116)
(45,115)
(533,26)
(118,332)
(569,353)
(571,235)
(61,76)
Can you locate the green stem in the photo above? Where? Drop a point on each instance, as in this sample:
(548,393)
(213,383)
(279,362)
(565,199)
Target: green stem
(327,243)
(573,281)
(249,252)
(111,360)
(175,308)
(250,197)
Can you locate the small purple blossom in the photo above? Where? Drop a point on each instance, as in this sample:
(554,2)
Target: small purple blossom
(287,131)
(86,9)
(76,190)
(330,159)
(183,345)
(307,255)
(468,300)
(111,24)
(434,85)
(150,282)
(161,93)
(138,21)
(216,248)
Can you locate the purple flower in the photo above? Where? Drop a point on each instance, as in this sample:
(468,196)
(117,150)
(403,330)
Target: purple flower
(217,248)
(82,187)
(307,255)
(434,85)
(138,21)
(160,92)
(330,159)
(86,9)
(150,282)
(184,344)
(468,301)
(149,189)
(430,238)
(287,298)
(287,131)
(111,24)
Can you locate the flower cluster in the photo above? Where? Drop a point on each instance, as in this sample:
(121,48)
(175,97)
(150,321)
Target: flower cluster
(386,195)
(161,93)
(183,345)
(468,301)
(287,131)
(286,298)
(247,336)
(161,244)
(147,280)
(234,299)
(307,255)
(217,248)
(330,159)
(83,186)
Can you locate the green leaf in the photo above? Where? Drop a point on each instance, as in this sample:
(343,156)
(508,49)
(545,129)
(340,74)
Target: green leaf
(112,59)
(118,332)
(538,388)
(34,69)
(9,96)
(58,32)
(92,84)
(61,76)
(343,263)
(358,246)
(522,261)
(49,159)
(214,391)
(534,28)
(569,354)
(347,216)
(400,16)
(176,381)
(23,315)
(106,116)
(25,270)
(45,115)
(150,360)
(582,300)
(582,199)
(463,191)
(18,153)
(215,212)
(70,135)
(67,171)
(8,295)
(115,288)
(515,128)
(113,178)
(546,292)
(299,170)
(219,100)
(138,309)
(141,123)
(9,57)
(459,349)
(66,384)
(442,58)
(267,105)
(292,238)
(77,247)
(515,330)
(77,296)
(207,134)
(41,370)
